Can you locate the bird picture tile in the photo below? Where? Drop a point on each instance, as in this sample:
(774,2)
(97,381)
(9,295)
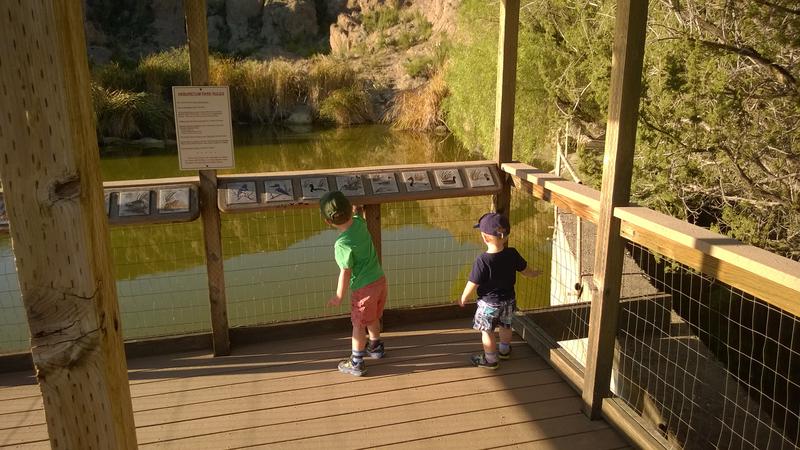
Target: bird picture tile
(314,187)
(241,192)
(278,191)
(383,183)
(448,179)
(173,200)
(479,177)
(133,203)
(416,181)
(350,185)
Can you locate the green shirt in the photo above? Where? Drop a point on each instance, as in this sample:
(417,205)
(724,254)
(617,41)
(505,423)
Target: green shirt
(354,250)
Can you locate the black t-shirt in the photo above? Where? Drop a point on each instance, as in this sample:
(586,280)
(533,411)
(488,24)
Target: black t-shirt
(496,273)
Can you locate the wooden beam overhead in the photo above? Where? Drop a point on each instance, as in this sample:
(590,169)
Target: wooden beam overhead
(623,113)
(49,164)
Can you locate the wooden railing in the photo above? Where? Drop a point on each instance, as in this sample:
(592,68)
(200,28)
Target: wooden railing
(770,279)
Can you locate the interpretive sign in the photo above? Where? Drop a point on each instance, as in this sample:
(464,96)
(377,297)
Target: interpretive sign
(203,127)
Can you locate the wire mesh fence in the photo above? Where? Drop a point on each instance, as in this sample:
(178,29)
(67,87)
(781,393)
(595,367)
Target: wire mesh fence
(14,336)
(279,264)
(162,284)
(707,365)
(562,246)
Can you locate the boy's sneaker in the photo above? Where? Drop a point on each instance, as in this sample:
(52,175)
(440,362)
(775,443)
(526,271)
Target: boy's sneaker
(480,361)
(502,355)
(348,366)
(375,351)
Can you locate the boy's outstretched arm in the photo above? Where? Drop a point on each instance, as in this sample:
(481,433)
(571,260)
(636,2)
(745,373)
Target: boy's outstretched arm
(531,272)
(469,289)
(341,287)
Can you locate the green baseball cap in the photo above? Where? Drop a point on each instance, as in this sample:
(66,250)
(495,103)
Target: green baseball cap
(334,205)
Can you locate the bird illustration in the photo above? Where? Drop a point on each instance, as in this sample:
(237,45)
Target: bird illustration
(139,206)
(313,188)
(279,190)
(410,181)
(353,184)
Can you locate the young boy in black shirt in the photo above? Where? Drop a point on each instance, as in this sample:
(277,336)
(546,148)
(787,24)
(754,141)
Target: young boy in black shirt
(493,275)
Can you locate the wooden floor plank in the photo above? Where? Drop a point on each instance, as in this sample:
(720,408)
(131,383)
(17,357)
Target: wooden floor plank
(276,409)
(339,422)
(604,439)
(289,393)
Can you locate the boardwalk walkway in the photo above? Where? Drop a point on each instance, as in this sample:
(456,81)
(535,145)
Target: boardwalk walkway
(288,393)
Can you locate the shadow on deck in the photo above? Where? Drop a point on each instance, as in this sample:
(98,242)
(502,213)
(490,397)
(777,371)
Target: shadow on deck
(288,393)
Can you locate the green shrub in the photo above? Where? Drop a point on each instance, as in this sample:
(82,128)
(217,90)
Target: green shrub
(117,77)
(163,70)
(326,75)
(380,19)
(417,66)
(347,106)
(130,115)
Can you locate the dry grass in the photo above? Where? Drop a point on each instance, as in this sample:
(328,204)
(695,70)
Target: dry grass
(347,106)
(285,86)
(419,109)
(326,75)
(128,114)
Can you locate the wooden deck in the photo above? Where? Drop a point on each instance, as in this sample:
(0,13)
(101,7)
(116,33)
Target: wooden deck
(423,394)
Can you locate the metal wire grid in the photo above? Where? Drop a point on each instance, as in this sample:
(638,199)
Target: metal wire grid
(14,334)
(558,300)
(162,284)
(708,365)
(279,266)
(429,247)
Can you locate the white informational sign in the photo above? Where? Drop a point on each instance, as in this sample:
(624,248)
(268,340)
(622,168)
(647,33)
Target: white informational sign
(203,127)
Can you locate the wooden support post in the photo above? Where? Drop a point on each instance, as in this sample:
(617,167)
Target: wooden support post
(372,214)
(49,164)
(197,34)
(506,92)
(623,113)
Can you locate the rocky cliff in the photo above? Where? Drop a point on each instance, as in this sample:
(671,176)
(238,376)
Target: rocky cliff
(129,29)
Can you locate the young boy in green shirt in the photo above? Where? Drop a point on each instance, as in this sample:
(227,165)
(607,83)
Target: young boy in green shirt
(360,272)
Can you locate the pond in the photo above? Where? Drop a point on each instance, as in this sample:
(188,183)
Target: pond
(279,264)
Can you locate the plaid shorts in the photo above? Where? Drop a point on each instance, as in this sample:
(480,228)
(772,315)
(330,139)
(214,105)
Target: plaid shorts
(488,317)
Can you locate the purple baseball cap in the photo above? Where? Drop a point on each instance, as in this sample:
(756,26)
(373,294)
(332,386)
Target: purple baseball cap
(494,224)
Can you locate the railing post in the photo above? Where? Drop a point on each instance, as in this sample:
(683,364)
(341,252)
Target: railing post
(372,214)
(197,35)
(505,98)
(54,198)
(623,112)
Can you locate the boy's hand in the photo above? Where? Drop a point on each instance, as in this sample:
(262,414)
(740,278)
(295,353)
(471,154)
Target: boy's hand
(462,302)
(335,301)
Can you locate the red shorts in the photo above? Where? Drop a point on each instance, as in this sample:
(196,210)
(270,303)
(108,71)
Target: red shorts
(366,303)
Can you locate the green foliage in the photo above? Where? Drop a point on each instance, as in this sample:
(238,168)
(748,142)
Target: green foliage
(326,75)
(380,19)
(719,129)
(130,114)
(419,66)
(161,71)
(261,91)
(347,106)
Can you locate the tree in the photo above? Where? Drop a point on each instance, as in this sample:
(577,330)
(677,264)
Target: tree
(719,117)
